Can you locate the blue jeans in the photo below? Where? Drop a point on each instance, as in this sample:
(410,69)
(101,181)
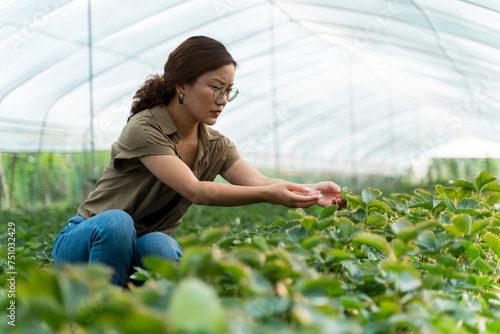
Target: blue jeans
(109,238)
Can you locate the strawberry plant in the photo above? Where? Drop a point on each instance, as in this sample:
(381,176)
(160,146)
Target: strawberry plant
(422,262)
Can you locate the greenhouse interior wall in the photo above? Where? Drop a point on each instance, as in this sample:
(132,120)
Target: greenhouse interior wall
(383,94)
(48,179)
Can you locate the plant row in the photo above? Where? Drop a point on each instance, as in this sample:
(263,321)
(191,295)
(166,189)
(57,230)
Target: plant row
(407,263)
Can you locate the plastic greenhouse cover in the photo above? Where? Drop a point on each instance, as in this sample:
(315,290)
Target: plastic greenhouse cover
(362,86)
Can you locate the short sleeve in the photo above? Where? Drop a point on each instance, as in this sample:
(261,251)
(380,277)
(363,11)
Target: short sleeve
(141,136)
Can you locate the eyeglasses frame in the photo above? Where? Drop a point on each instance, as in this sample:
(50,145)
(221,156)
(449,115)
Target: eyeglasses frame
(223,92)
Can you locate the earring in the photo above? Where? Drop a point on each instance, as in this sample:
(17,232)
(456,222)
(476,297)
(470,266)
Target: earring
(181,98)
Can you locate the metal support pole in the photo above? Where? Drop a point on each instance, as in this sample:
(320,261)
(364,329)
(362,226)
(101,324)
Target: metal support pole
(91,92)
(274,91)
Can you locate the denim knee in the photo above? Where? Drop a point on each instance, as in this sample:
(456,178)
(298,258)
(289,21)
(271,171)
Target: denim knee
(157,244)
(116,223)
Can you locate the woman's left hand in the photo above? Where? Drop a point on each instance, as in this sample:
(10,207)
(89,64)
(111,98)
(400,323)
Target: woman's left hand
(330,194)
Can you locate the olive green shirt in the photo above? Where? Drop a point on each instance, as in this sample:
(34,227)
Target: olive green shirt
(126,184)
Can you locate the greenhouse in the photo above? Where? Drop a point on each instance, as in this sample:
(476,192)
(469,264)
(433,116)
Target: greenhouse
(397,101)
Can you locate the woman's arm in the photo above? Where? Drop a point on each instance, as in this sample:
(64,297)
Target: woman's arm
(177,175)
(242,173)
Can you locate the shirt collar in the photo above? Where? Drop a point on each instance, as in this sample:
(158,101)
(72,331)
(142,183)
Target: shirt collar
(167,125)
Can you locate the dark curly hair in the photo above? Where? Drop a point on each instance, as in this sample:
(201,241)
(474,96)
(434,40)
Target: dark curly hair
(192,58)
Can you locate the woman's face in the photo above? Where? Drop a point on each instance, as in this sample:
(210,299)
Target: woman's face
(199,102)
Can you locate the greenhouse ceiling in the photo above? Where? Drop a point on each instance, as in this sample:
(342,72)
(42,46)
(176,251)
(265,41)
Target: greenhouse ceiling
(360,86)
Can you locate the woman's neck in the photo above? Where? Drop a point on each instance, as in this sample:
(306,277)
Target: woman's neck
(186,126)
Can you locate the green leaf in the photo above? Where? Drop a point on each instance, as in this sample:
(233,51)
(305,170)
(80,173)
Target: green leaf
(352,302)
(463,193)
(401,197)
(424,205)
(297,213)
(259,243)
(258,284)
(238,272)
(141,274)
(400,267)
(227,242)
(250,256)
(478,280)
(479,225)
(400,225)
(470,212)
(325,223)
(337,255)
(32,244)
(447,261)
(467,203)
(465,184)
(376,220)
(408,277)
(400,247)
(449,204)
(374,240)
(264,307)
(483,179)
(494,326)
(424,195)
(446,217)
(407,231)
(345,227)
(494,243)
(144,323)
(453,230)
(482,266)
(297,233)
(471,249)
(376,205)
(165,269)
(427,241)
(462,223)
(353,199)
(279,222)
(494,229)
(438,207)
(408,281)
(194,307)
(370,194)
(311,242)
(322,287)
(213,235)
(289,225)
(451,193)
(310,223)
(492,187)
(328,211)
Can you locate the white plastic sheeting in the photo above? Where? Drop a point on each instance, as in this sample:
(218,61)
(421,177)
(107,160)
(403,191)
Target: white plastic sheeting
(360,86)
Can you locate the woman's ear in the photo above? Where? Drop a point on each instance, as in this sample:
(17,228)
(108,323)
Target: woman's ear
(179,87)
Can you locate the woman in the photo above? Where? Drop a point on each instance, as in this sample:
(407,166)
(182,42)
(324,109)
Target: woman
(165,160)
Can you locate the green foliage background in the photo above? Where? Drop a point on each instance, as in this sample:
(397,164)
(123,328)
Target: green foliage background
(423,261)
(47,180)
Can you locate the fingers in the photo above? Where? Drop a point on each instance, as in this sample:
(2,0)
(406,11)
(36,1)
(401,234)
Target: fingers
(305,197)
(302,200)
(298,188)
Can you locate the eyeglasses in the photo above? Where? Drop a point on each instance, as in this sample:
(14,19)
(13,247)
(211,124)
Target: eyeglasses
(219,92)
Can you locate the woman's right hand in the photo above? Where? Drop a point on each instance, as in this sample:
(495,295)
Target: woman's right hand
(292,195)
